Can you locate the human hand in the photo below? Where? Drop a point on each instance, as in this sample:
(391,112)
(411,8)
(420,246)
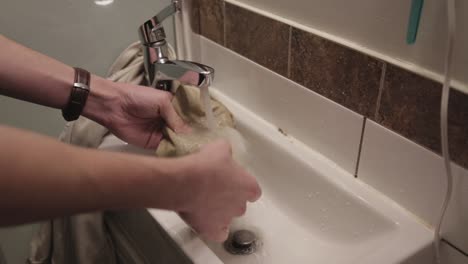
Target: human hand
(139,113)
(218,191)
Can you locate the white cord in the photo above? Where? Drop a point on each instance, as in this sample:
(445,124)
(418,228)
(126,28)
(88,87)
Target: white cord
(444,121)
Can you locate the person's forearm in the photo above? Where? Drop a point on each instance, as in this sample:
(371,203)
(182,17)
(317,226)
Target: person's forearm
(29,75)
(42,178)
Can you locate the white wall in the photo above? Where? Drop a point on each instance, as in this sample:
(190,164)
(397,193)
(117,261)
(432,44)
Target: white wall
(77,32)
(379,27)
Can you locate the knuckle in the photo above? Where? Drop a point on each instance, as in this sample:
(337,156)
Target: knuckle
(242,210)
(254,191)
(165,99)
(166,96)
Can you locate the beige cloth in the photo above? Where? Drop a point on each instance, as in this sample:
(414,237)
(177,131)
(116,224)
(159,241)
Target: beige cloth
(92,238)
(188,105)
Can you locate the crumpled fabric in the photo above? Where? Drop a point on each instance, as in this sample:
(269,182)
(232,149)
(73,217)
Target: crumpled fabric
(188,105)
(91,238)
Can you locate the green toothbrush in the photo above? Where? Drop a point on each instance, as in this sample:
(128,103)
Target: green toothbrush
(413,24)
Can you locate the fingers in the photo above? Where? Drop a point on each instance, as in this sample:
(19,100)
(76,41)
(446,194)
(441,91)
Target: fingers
(154,140)
(219,236)
(207,227)
(173,120)
(255,192)
(220,232)
(241,211)
(252,188)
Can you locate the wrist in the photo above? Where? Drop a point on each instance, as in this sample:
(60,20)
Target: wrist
(186,170)
(121,181)
(168,185)
(103,98)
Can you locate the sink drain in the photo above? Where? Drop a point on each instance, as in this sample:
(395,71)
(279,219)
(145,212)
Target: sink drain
(241,242)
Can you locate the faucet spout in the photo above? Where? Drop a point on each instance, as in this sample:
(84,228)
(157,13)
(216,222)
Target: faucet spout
(186,72)
(160,71)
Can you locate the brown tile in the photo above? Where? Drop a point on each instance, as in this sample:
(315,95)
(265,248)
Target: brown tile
(410,106)
(343,75)
(458,127)
(195,15)
(212,19)
(258,38)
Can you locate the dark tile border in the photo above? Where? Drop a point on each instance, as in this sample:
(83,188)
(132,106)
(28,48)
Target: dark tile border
(458,127)
(341,74)
(410,106)
(261,39)
(211,22)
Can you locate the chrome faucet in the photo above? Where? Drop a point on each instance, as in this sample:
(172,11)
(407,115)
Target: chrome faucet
(161,72)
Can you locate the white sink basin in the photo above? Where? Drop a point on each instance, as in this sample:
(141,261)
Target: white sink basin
(311,211)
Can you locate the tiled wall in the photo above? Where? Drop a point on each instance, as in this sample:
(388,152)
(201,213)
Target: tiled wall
(379,27)
(395,98)
(400,107)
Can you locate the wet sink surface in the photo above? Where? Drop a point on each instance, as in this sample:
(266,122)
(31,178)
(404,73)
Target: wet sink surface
(311,211)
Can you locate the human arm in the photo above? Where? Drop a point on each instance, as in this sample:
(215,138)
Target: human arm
(132,112)
(42,178)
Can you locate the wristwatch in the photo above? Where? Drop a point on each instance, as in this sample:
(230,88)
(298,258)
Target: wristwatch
(79,94)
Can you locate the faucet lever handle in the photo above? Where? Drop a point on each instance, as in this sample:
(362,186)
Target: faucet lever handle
(152,31)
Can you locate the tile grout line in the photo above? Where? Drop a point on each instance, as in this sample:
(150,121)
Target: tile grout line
(383,74)
(364,120)
(224,24)
(455,247)
(289,53)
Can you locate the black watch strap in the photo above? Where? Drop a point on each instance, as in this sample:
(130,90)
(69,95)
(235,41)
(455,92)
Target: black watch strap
(78,95)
